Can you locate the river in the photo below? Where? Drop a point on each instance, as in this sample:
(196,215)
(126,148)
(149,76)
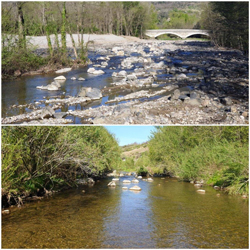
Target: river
(23,91)
(164,83)
(164,214)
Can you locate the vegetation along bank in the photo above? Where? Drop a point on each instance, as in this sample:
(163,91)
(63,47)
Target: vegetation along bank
(39,160)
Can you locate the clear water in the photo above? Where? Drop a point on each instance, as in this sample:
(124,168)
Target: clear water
(165,214)
(23,90)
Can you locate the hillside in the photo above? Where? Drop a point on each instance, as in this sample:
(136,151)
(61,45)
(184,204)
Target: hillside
(134,151)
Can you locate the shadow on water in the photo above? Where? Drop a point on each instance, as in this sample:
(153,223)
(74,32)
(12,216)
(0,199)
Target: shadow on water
(165,214)
(228,64)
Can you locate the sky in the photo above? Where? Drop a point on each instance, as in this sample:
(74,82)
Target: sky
(130,134)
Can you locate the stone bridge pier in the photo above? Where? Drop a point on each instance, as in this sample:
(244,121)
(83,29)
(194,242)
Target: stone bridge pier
(182,33)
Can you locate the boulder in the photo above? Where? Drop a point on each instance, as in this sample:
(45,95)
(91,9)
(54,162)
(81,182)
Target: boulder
(135,181)
(181,77)
(192,102)
(198,185)
(150,179)
(52,87)
(125,188)
(122,73)
(81,79)
(201,191)
(135,188)
(216,187)
(94,94)
(91,70)
(120,53)
(115,179)
(60,115)
(60,78)
(73,78)
(98,72)
(139,177)
(176,94)
(47,112)
(126,181)
(63,70)
(112,184)
(226,101)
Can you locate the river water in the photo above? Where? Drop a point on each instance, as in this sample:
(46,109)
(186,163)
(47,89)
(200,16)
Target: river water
(23,91)
(164,214)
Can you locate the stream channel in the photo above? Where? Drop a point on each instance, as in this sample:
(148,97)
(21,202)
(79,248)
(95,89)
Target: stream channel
(164,214)
(18,94)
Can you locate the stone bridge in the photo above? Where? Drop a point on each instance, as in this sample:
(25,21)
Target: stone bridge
(182,33)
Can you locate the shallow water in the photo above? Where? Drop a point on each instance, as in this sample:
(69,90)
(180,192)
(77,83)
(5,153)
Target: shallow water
(23,90)
(165,214)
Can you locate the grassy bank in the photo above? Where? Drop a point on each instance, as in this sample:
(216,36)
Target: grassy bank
(216,155)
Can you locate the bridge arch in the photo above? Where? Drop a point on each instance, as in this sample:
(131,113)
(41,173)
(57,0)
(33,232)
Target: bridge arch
(170,33)
(182,33)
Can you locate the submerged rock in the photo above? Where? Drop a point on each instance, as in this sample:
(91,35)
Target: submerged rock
(135,181)
(135,188)
(126,181)
(201,191)
(112,184)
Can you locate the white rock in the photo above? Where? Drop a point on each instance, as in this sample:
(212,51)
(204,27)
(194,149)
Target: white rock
(115,179)
(63,70)
(91,70)
(120,53)
(63,78)
(135,188)
(126,181)
(201,191)
(112,184)
(98,72)
(125,188)
(134,181)
(52,87)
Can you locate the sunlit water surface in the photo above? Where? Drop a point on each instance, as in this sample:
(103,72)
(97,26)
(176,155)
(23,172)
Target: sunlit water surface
(165,214)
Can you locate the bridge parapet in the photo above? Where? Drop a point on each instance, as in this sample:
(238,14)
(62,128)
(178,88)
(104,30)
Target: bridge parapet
(182,33)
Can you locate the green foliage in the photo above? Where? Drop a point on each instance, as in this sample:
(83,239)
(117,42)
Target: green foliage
(218,155)
(228,22)
(19,59)
(179,19)
(47,157)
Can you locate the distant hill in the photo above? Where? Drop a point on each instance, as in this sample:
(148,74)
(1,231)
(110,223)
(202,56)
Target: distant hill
(163,8)
(134,150)
(176,15)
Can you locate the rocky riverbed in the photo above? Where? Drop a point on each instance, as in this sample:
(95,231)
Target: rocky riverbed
(153,82)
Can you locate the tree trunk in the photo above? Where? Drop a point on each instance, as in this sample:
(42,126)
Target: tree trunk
(63,31)
(21,31)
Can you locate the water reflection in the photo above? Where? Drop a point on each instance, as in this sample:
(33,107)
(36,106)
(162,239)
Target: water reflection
(132,224)
(187,219)
(165,214)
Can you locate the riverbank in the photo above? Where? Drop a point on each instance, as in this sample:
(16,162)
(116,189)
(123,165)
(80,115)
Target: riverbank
(154,82)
